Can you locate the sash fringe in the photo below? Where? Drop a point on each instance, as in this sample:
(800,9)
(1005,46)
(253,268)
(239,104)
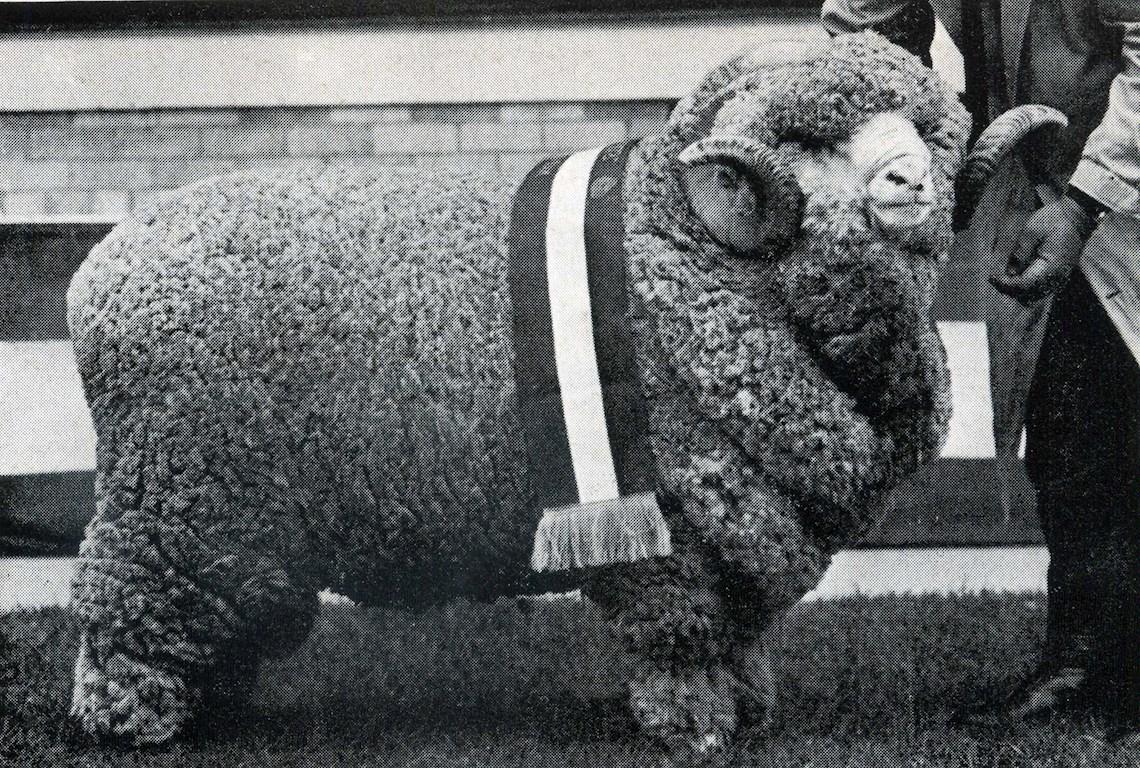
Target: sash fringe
(601,533)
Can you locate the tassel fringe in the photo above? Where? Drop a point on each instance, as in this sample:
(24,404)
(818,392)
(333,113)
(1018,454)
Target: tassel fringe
(601,533)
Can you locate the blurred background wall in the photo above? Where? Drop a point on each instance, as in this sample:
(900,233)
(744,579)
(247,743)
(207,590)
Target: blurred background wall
(107,104)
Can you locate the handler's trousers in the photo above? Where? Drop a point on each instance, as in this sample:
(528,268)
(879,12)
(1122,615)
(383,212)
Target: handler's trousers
(1083,456)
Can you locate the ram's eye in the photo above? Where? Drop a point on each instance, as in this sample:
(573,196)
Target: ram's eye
(727,178)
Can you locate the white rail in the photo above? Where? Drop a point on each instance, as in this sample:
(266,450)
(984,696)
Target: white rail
(44,582)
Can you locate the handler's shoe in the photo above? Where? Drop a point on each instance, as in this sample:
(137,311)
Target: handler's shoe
(1050,690)
(1124,724)
(1125,736)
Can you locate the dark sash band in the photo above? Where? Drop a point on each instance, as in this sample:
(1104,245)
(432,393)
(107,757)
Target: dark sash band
(575,360)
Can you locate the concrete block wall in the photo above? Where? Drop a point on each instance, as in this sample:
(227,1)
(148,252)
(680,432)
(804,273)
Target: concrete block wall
(105,164)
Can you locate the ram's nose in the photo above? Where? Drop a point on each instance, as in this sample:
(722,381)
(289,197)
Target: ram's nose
(900,196)
(906,174)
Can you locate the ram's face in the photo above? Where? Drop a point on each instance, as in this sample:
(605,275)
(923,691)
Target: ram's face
(860,224)
(858,280)
(895,164)
(879,183)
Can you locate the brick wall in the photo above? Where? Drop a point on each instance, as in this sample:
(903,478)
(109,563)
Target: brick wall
(107,163)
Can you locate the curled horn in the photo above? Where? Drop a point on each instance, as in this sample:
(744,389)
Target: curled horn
(992,146)
(779,195)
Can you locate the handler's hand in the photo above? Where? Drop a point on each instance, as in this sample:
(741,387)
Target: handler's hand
(1046,252)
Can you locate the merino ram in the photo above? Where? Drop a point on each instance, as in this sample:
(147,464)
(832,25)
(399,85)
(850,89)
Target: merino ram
(310,379)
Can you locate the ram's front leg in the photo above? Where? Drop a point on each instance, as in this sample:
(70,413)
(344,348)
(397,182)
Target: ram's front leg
(669,614)
(750,657)
(765,561)
(765,551)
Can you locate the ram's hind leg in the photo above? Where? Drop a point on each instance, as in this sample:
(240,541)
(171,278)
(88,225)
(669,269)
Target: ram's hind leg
(185,579)
(148,633)
(164,640)
(683,693)
(275,617)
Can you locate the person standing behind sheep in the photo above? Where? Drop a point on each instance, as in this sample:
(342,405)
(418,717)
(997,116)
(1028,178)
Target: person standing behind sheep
(1081,405)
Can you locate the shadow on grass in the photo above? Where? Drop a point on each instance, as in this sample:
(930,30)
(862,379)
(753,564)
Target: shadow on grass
(462,667)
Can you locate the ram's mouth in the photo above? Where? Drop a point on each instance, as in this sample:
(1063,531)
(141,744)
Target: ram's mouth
(897,217)
(918,203)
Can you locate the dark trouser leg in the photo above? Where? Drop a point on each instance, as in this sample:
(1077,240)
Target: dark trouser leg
(1083,456)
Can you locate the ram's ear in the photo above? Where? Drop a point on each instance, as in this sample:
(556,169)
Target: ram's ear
(749,202)
(727,204)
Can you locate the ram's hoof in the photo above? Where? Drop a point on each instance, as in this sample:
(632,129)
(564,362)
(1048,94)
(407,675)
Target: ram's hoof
(693,715)
(127,701)
(709,750)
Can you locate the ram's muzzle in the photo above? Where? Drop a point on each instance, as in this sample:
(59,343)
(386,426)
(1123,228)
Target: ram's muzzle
(898,171)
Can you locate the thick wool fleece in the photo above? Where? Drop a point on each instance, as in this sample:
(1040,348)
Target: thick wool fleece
(315,369)
(306,380)
(297,381)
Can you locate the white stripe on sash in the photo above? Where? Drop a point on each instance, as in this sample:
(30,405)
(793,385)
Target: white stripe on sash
(575,357)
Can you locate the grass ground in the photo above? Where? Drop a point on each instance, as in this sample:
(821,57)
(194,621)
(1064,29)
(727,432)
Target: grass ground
(865,682)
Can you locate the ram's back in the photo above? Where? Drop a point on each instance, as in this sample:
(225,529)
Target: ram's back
(330,350)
